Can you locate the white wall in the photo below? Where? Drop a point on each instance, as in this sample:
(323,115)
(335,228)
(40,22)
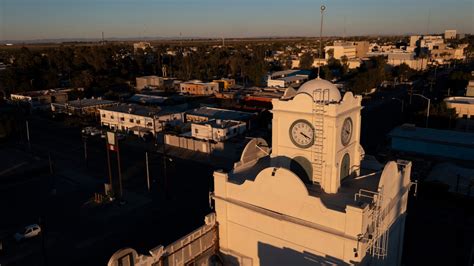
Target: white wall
(207,132)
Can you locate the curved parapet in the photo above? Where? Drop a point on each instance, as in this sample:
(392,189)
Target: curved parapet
(394,183)
(127,254)
(253,151)
(289,93)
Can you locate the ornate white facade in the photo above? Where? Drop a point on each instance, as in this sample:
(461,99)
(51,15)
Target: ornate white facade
(312,199)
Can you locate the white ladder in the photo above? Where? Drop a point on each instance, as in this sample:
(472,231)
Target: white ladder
(320,99)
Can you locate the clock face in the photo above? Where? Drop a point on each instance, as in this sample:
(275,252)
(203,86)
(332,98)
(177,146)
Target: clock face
(346,132)
(302,133)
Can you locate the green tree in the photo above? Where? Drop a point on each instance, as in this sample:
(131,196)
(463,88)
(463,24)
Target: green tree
(306,61)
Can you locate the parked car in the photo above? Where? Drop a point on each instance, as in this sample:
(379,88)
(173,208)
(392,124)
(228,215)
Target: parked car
(29,231)
(91,131)
(121,136)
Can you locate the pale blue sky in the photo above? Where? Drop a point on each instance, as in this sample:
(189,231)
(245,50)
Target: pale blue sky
(38,19)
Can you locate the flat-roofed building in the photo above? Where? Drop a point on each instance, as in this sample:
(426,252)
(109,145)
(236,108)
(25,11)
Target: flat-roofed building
(141,46)
(398,57)
(444,53)
(82,106)
(340,49)
(41,99)
(287,78)
(430,42)
(139,119)
(470,88)
(434,143)
(450,34)
(210,113)
(217,130)
(414,40)
(197,87)
(464,106)
(362,48)
(225,84)
(151,82)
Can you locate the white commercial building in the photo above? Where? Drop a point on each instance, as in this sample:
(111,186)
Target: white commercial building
(450,34)
(313,198)
(138,119)
(414,40)
(431,42)
(398,57)
(338,50)
(217,130)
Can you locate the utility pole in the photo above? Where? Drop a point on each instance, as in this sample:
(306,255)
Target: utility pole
(119,168)
(109,166)
(28,135)
(165,176)
(84,138)
(51,171)
(147,172)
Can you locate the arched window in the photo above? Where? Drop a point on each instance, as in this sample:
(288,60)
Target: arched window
(302,168)
(345,166)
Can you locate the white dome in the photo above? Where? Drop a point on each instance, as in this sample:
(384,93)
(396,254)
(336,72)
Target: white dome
(311,88)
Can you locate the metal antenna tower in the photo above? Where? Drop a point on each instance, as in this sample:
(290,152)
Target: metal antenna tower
(323,7)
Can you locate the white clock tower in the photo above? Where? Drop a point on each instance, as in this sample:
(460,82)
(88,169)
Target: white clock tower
(316,134)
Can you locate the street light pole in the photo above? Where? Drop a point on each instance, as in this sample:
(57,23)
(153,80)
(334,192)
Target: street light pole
(428,108)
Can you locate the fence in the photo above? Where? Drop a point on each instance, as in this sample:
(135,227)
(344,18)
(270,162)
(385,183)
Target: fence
(193,144)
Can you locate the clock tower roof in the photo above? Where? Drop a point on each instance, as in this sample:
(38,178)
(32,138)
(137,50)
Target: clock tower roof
(312,86)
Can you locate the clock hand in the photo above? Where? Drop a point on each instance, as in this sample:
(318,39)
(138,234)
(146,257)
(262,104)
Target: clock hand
(304,135)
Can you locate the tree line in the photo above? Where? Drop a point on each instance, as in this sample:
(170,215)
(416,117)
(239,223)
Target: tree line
(112,67)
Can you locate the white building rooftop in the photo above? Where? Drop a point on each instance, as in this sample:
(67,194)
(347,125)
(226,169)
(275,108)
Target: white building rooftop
(368,180)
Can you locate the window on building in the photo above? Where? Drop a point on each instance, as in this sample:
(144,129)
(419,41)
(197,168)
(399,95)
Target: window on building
(138,122)
(103,115)
(149,124)
(131,120)
(122,119)
(111,117)
(196,130)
